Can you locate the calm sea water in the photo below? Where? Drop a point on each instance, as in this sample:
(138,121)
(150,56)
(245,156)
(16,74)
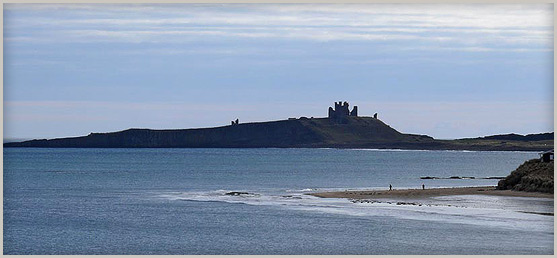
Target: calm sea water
(172,201)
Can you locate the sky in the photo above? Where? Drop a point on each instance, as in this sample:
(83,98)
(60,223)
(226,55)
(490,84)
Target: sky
(448,71)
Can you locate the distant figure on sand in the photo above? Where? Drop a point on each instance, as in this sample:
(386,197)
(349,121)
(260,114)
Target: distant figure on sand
(423,186)
(390,187)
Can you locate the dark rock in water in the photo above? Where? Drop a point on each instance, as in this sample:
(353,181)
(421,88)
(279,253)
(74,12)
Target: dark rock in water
(458,177)
(407,203)
(539,213)
(532,176)
(236,193)
(494,177)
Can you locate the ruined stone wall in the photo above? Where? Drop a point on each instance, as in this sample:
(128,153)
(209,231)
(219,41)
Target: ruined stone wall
(341,111)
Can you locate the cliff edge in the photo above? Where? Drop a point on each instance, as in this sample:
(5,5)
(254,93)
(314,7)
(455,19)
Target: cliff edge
(351,132)
(341,129)
(297,133)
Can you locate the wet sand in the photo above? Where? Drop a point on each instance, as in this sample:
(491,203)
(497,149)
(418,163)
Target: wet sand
(421,193)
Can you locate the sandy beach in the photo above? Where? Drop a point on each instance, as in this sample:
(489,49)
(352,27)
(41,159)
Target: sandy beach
(423,193)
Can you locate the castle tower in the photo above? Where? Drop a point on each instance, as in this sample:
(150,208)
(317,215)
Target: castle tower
(354,111)
(341,111)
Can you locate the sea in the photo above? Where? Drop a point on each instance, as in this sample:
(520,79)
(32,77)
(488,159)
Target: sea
(174,201)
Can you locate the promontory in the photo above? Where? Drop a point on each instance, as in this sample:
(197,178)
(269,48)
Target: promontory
(341,129)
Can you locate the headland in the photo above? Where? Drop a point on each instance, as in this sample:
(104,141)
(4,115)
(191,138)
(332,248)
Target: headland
(342,128)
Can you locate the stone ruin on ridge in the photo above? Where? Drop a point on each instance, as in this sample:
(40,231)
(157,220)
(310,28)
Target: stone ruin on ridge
(341,112)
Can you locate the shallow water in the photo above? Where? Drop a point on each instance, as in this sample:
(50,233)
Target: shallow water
(173,201)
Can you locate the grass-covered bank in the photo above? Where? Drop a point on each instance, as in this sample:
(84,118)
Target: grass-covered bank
(532,176)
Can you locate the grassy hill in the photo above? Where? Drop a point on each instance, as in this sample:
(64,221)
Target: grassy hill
(532,176)
(316,132)
(354,132)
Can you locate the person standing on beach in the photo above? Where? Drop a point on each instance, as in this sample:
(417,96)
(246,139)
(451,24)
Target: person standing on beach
(423,186)
(390,187)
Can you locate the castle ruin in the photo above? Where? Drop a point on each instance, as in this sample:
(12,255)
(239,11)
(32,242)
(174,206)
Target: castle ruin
(341,112)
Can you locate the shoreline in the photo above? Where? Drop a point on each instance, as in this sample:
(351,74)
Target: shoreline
(10,145)
(431,192)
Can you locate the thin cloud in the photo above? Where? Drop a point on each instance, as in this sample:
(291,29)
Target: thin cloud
(120,105)
(167,51)
(473,25)
(479,40)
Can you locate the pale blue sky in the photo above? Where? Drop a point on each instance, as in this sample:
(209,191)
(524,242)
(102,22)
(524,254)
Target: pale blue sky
(449,71)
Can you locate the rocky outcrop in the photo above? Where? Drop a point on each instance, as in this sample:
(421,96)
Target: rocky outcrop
(532,176)
(236,193)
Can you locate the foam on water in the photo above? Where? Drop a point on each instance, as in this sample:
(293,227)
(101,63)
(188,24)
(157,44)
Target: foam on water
(174,201)
(403,150)
(472,210)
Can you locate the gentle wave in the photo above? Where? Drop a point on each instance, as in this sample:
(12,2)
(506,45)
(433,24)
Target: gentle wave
(429,212)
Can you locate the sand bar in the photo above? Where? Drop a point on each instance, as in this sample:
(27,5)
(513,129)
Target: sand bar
(421,193)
